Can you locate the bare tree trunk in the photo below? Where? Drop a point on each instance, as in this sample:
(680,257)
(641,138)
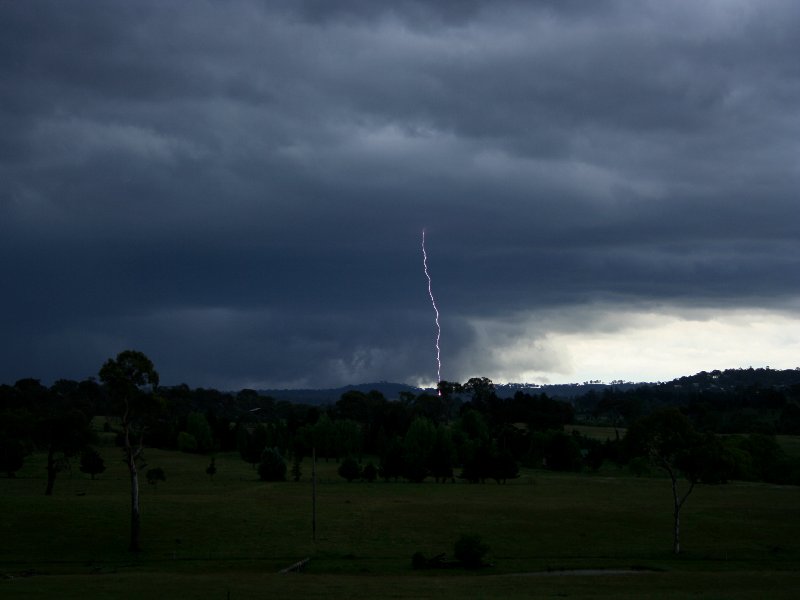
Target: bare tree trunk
(314,494)
(676,539)
(131,455)
(677,505)
(676,513)
(135,515)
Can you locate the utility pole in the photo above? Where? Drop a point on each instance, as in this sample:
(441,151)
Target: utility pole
(314,494)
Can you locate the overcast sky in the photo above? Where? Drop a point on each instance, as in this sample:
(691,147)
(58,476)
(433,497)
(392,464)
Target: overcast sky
(238,189)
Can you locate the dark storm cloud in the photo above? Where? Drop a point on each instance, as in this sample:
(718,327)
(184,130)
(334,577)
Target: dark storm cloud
(239,189)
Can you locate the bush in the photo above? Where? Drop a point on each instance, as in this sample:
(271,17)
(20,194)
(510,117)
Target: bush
(211,469)
(272,466)
(470,550)
(418,561)
(92,463)
(155,475)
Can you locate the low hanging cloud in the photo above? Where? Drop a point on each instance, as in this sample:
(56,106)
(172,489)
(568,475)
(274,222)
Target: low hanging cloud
(239,191)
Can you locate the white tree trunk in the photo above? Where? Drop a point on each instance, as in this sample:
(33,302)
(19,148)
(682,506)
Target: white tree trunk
(130,456)
(677,505)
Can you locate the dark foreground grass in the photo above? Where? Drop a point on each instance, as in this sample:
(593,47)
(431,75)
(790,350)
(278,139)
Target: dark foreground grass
(548,535)
(237,585)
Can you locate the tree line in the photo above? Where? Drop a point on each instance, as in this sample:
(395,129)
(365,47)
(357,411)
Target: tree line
(458,432)
(732,401)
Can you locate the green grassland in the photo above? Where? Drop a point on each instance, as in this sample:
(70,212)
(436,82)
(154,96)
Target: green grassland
(550,535)
(594,432)
(790,444)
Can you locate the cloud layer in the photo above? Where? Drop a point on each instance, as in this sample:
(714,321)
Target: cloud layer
(239,189)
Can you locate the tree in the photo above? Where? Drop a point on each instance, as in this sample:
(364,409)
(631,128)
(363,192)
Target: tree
(391,464)
(473,445)
(92,463)
(349,469)
(767,457)
(503,466)
(62,433)
(443,455)
(15,438)
(131,381)
(346,438)
(297,471)
(620,409)
(562,452)
(434,407)
(198,427)
(668,439)
(484,398)
(33,416)
(251,441)
(478,462)
(354,405)
(369,473)
(481,389)
(272,466)
(418,446)
(323,436)
(541,412)
(12,456)
(473,426)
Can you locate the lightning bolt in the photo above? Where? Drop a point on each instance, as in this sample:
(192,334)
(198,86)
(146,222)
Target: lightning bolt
(435,310)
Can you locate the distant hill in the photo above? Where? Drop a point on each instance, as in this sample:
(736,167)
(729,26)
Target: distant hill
(740,378)
(392,391)
(704,380)
(564,391)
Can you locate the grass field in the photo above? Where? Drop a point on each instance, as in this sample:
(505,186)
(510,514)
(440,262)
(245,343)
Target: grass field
(790,444)
(595,432)
(550,535)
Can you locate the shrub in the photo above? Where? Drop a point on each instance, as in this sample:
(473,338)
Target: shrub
(155,475)
(418,561)
(211,469)
(470,550)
